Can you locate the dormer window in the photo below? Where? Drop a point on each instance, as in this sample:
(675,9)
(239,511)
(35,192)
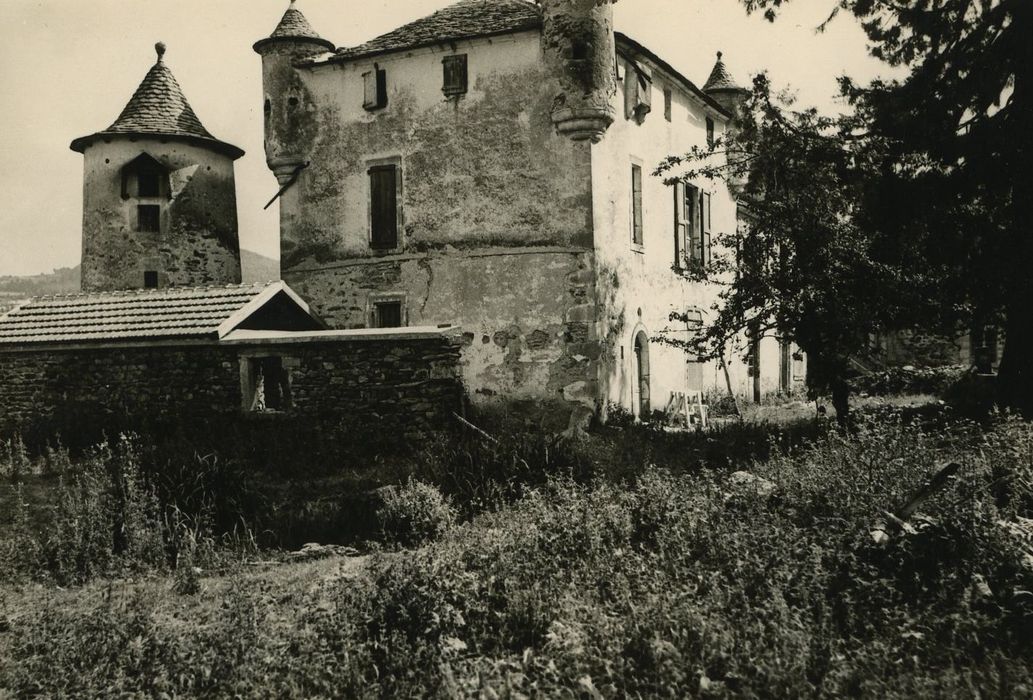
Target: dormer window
(374,85)
(638,97)
(145,177)
(455,75)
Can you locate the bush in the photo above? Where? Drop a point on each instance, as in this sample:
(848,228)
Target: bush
(414,513)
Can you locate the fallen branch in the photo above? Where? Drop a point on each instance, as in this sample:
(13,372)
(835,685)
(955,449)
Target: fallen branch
(897,520)
(473,427)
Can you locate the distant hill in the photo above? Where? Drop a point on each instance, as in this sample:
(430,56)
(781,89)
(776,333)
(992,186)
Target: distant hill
(14,289)
(255,267)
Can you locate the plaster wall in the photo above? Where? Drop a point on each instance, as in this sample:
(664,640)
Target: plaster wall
(638,285)
(198,241)
(483,169)
(527,314)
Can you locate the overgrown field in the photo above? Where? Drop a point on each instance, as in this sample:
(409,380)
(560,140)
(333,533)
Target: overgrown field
(575,570)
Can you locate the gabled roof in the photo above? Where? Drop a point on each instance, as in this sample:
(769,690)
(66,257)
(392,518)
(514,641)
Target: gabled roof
(159,108)
(464,20)
(294,26)
(720,78)
(637,50)
(156,314)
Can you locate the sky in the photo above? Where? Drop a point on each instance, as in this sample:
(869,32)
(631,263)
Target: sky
(68,67)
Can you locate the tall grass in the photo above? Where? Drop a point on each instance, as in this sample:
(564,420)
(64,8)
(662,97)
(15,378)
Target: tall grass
(673,584)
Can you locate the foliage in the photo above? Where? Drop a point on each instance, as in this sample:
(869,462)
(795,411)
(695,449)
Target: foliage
(956,152)
(658,586)
(414,513)
(909,380)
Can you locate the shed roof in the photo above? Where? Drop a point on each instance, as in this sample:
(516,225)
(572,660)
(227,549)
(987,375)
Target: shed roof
(152,314)
(463,20)
(159,108)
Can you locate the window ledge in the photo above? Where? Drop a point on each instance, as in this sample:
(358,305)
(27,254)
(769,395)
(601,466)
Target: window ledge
(638,248)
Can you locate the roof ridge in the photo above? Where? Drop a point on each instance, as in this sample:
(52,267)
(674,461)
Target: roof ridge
(142,291)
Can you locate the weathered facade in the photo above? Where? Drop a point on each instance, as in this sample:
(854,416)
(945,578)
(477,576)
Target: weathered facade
(200,353)
(159,196)
(487,166)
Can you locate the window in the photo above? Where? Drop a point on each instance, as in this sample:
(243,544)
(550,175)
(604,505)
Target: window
(387,314)
(636,205)
(638,87)
(710,132)
(668,100)
(266,384)
(148,183)
(705,230)
(148,218)
(692,228)
(374,89)
(455,75)
(150,279)
(383,189)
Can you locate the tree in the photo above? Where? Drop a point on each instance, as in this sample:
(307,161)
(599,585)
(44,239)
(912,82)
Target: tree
(957,156)
(800,264)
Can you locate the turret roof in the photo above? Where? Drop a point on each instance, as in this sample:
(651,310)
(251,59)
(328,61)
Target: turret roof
(720,78)
(159,108)
(292,27)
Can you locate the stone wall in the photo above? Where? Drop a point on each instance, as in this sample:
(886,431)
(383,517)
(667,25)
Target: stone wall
(409,384)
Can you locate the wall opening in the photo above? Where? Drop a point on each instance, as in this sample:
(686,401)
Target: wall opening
(641,395)
(265,384)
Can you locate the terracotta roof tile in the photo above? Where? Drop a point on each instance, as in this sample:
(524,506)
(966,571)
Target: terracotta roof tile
(720,78)
(176,312)
(465,19)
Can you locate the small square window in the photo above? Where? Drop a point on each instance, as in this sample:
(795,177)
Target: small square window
(387,314)
(148,218)
(150,279)
(455,78)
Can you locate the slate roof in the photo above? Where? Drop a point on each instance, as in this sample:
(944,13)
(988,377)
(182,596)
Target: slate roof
(176,312)
(159,108)
(463,20)
(293,26)
(720,78)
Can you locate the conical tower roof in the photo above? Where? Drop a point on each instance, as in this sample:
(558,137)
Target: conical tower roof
(720,78)
(159,108)
(294,26)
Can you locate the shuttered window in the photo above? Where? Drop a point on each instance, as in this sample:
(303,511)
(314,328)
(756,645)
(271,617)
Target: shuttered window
(148,218)
(455,75)
(705,229)
(383,188)
(636,205)
(374,84)
(710,132)
(681,225)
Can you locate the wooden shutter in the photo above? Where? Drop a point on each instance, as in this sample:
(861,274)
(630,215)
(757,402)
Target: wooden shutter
(680,234)
(383,188)
(636,205)
(693,232)
(455,74)
(374,89)
(704,213)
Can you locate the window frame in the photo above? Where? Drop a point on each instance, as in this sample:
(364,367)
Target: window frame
(459,64)
(374,80)
(249,363)
(153,210)
(381,299)
(378,165)
(637,209)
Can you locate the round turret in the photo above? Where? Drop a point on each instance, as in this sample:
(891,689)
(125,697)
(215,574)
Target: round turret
(159,195)
(578,39)
(723,88)
(286,97)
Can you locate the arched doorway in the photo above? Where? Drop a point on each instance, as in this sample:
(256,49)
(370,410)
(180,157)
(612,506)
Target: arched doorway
(641,347)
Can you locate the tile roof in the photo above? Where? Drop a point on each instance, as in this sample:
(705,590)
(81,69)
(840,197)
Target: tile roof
(463,20)
(720,78)
(159,108)
(294,25)
(177,312)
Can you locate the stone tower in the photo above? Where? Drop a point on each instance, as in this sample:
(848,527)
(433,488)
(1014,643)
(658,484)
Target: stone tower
(288,127)
(579,41)
(159,197)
